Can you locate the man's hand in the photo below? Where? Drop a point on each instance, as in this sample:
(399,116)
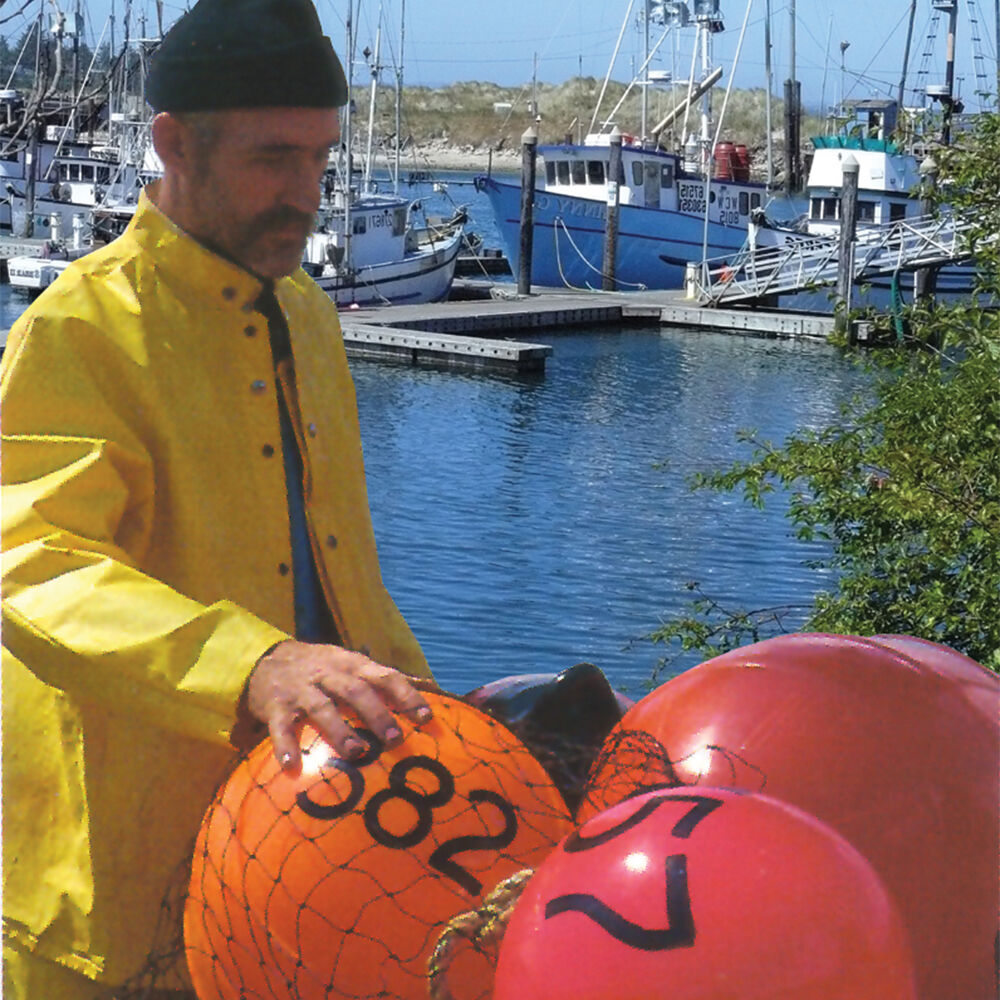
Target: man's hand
(297,680)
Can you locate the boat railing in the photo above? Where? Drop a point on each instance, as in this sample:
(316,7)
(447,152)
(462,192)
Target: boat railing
(809,262)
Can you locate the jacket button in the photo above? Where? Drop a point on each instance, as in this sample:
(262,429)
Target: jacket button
(312,430)
(267,451)
(258,385)
(331,541)
(250,331)
(248,307)
(284,569)
(229,292)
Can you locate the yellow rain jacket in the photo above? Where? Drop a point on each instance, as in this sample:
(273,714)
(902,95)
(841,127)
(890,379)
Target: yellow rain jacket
(147,568)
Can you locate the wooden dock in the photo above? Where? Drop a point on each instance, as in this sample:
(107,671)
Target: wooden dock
(473,332)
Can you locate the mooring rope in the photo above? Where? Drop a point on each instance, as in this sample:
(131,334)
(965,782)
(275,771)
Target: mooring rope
(559,221)
(481,927)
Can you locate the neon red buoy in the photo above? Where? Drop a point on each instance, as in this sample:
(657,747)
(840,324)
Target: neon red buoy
(704,894)
(889,751)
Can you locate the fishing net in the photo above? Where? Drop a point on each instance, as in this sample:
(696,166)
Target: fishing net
(338,881)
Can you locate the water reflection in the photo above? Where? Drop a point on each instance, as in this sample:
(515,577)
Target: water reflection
(527,524)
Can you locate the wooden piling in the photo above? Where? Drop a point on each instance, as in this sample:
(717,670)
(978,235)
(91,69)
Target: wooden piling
(848,230)
(925,278)
(611,224)
(529,150)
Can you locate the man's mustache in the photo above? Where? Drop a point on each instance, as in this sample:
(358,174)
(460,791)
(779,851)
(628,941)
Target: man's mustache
(284,217)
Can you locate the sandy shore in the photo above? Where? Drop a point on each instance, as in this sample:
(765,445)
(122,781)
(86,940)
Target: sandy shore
(442,156)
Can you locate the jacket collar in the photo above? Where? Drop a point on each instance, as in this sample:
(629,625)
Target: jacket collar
(186,262)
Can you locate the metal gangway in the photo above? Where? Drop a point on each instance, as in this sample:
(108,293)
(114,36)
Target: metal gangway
(808,262)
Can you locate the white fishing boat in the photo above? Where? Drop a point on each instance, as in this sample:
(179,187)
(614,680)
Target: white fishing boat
(370,247)
(892,146)
(377,253)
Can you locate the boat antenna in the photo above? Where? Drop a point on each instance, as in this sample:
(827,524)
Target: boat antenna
(718,127)
(614,56)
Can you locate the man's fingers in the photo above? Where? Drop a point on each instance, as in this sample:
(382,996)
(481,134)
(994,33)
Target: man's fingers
(282,730)
(400,694)
(362,696)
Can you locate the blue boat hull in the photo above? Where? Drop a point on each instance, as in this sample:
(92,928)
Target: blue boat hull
(654,245)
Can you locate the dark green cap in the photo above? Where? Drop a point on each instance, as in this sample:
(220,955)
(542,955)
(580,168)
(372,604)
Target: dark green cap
(226,54)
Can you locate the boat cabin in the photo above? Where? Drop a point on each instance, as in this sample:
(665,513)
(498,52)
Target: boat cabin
(886,173)
(648,178)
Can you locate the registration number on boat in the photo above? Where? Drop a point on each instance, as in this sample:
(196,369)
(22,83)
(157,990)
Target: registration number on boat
(691,197)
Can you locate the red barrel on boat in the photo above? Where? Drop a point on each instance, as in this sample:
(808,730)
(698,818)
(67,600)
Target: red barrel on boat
(724,161)
(741,163)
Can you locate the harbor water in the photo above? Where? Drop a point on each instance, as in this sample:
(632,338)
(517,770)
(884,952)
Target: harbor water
(528,523)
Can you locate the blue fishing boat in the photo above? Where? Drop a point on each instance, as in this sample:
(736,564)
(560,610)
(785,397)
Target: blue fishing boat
(677,202)
(662,221)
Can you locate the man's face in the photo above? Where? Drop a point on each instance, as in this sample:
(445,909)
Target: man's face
(256,188)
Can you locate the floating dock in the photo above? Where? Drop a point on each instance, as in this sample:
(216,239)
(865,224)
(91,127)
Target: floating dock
(473,331)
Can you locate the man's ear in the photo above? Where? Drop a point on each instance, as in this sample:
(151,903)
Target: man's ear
(171,140)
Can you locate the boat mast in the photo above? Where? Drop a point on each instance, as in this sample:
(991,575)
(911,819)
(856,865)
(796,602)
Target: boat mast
(949,79)
(770,86)
(645,65)
(347,139)
(906,56)
(399,92)
(375,69)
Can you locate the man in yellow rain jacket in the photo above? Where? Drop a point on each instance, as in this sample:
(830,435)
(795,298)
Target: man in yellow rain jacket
(184,503)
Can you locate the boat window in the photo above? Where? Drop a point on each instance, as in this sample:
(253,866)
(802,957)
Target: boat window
(897,212)
(87,171)
(550,172)
(637,173)
(866,211)
(830,209)
(579,172)
(399,222)
(755,201)
(595,171)
(562,167)
(744,203)
(74,171)
(667,175)
(360,225)
(64,171)
(103,175)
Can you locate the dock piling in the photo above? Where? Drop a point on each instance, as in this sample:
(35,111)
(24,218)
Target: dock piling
(529,150)
(611,225)
(848,230)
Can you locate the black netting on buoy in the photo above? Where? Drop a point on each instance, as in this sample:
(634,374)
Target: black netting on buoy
(339,883)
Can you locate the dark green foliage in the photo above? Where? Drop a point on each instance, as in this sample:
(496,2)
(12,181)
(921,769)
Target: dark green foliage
(905,486)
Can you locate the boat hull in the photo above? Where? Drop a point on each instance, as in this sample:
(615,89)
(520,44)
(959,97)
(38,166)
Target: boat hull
(425,275)
(654,244)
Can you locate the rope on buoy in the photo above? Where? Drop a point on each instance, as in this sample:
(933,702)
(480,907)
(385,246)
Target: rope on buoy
(480,927)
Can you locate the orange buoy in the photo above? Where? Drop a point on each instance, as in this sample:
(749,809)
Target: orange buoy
(704,894)
(886,745)
(335,881)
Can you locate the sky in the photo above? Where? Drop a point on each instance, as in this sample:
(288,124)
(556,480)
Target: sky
(509,42)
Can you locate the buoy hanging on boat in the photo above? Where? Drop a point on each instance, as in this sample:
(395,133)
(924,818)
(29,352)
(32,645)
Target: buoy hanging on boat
(890,743)
(335,881)
(704,894)
(724,161)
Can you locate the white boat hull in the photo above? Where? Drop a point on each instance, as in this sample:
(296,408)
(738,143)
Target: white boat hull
(421,276)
